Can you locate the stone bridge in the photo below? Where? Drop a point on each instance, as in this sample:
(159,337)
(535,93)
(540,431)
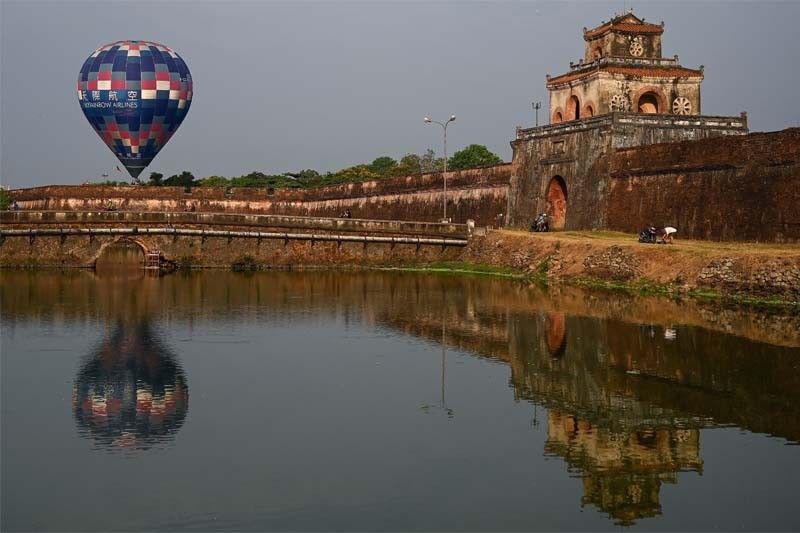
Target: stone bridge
(79,238)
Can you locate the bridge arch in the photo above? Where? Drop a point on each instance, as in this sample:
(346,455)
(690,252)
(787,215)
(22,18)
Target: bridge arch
(117,242)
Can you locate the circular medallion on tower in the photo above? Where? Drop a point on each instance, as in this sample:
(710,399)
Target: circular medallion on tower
(681,106)
(618,102)
(636,49)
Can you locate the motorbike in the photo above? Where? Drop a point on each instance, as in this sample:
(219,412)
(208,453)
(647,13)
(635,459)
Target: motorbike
(540,224)
(648,235)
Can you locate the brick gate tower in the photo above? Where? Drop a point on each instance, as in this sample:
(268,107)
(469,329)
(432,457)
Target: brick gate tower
(621,94)
(622,70)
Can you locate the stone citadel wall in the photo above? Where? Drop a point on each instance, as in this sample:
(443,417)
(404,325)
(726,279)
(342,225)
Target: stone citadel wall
(222,240)
(710,182)
(734,188)
(579,154)
(480,194)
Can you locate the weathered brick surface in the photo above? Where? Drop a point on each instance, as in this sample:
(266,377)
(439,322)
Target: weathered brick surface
(81,251)
(479,194)
(725,188)
(580,153)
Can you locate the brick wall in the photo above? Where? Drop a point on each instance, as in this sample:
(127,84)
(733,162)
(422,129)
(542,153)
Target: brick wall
(724,188)
(479,194)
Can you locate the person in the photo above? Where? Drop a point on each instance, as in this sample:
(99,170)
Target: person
(666,237)
(15,206)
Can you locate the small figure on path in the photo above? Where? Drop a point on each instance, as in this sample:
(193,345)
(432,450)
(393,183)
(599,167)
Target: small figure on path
(666,236)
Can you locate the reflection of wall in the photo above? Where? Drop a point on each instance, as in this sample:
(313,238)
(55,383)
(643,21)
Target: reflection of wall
(618,371)
(131,392)
(622,471)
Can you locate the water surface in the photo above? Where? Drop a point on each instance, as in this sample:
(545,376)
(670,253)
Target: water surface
(384,401)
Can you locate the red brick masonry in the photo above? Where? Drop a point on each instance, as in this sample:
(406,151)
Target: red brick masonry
(722,188)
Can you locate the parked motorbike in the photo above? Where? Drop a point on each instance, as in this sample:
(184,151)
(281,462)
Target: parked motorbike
(648,235)
(540,224)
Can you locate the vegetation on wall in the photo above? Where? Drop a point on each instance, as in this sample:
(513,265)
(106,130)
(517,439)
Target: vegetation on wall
(382,167)
(5,199)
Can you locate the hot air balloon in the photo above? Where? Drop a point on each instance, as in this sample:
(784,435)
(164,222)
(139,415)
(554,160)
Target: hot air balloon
(135,94)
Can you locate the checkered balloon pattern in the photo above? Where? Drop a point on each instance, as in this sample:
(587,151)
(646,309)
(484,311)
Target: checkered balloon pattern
(135,94)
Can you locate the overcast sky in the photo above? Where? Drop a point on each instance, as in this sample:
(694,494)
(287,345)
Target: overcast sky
(286,86)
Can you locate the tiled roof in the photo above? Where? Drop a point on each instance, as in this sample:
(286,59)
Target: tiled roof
(650,72)
(623,27)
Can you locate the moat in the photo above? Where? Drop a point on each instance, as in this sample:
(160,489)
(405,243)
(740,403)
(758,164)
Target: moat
(388,401)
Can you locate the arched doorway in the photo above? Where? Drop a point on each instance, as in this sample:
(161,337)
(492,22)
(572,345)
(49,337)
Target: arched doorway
(556,197)
(648,103)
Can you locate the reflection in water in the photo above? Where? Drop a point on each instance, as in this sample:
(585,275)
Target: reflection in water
(131,392)
(442,407)
(622,471)
(121,258)
(556,334)
(628,384)
(626,401)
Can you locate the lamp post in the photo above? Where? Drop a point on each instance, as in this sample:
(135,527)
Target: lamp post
(444,175)
(536,107)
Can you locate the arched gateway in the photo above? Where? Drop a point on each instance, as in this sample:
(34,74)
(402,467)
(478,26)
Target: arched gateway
(556,197)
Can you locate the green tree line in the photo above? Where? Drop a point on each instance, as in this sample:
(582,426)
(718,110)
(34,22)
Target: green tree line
(474,155)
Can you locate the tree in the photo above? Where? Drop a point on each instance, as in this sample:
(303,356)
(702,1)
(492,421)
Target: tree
(429,162)
(155,179)
(5,199)
(185,179)
(214,181)
(354,174)
(383,166)
(474,155)
(409,165)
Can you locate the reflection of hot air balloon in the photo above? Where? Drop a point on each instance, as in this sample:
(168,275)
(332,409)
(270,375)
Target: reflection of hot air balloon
(131,392)
(135,94)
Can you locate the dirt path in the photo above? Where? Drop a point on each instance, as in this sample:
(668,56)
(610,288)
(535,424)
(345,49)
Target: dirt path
(702,247)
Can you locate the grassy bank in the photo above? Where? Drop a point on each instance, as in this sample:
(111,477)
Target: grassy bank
(460,267)
(638,287)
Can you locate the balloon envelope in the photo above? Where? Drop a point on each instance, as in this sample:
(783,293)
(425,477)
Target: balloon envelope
(135,94)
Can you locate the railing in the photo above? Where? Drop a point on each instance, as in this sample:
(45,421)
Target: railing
(625,61)
(736,124)
(202,233)
(255,221)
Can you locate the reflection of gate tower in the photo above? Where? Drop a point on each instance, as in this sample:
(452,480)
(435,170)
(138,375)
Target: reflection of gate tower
(623,470)
(621,94)
(622,70)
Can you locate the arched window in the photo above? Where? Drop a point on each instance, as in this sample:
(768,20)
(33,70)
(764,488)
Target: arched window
(648,103)
(588,111)
(558,117)
(574,107)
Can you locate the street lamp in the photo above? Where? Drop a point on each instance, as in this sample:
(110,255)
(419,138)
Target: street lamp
(444,175)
